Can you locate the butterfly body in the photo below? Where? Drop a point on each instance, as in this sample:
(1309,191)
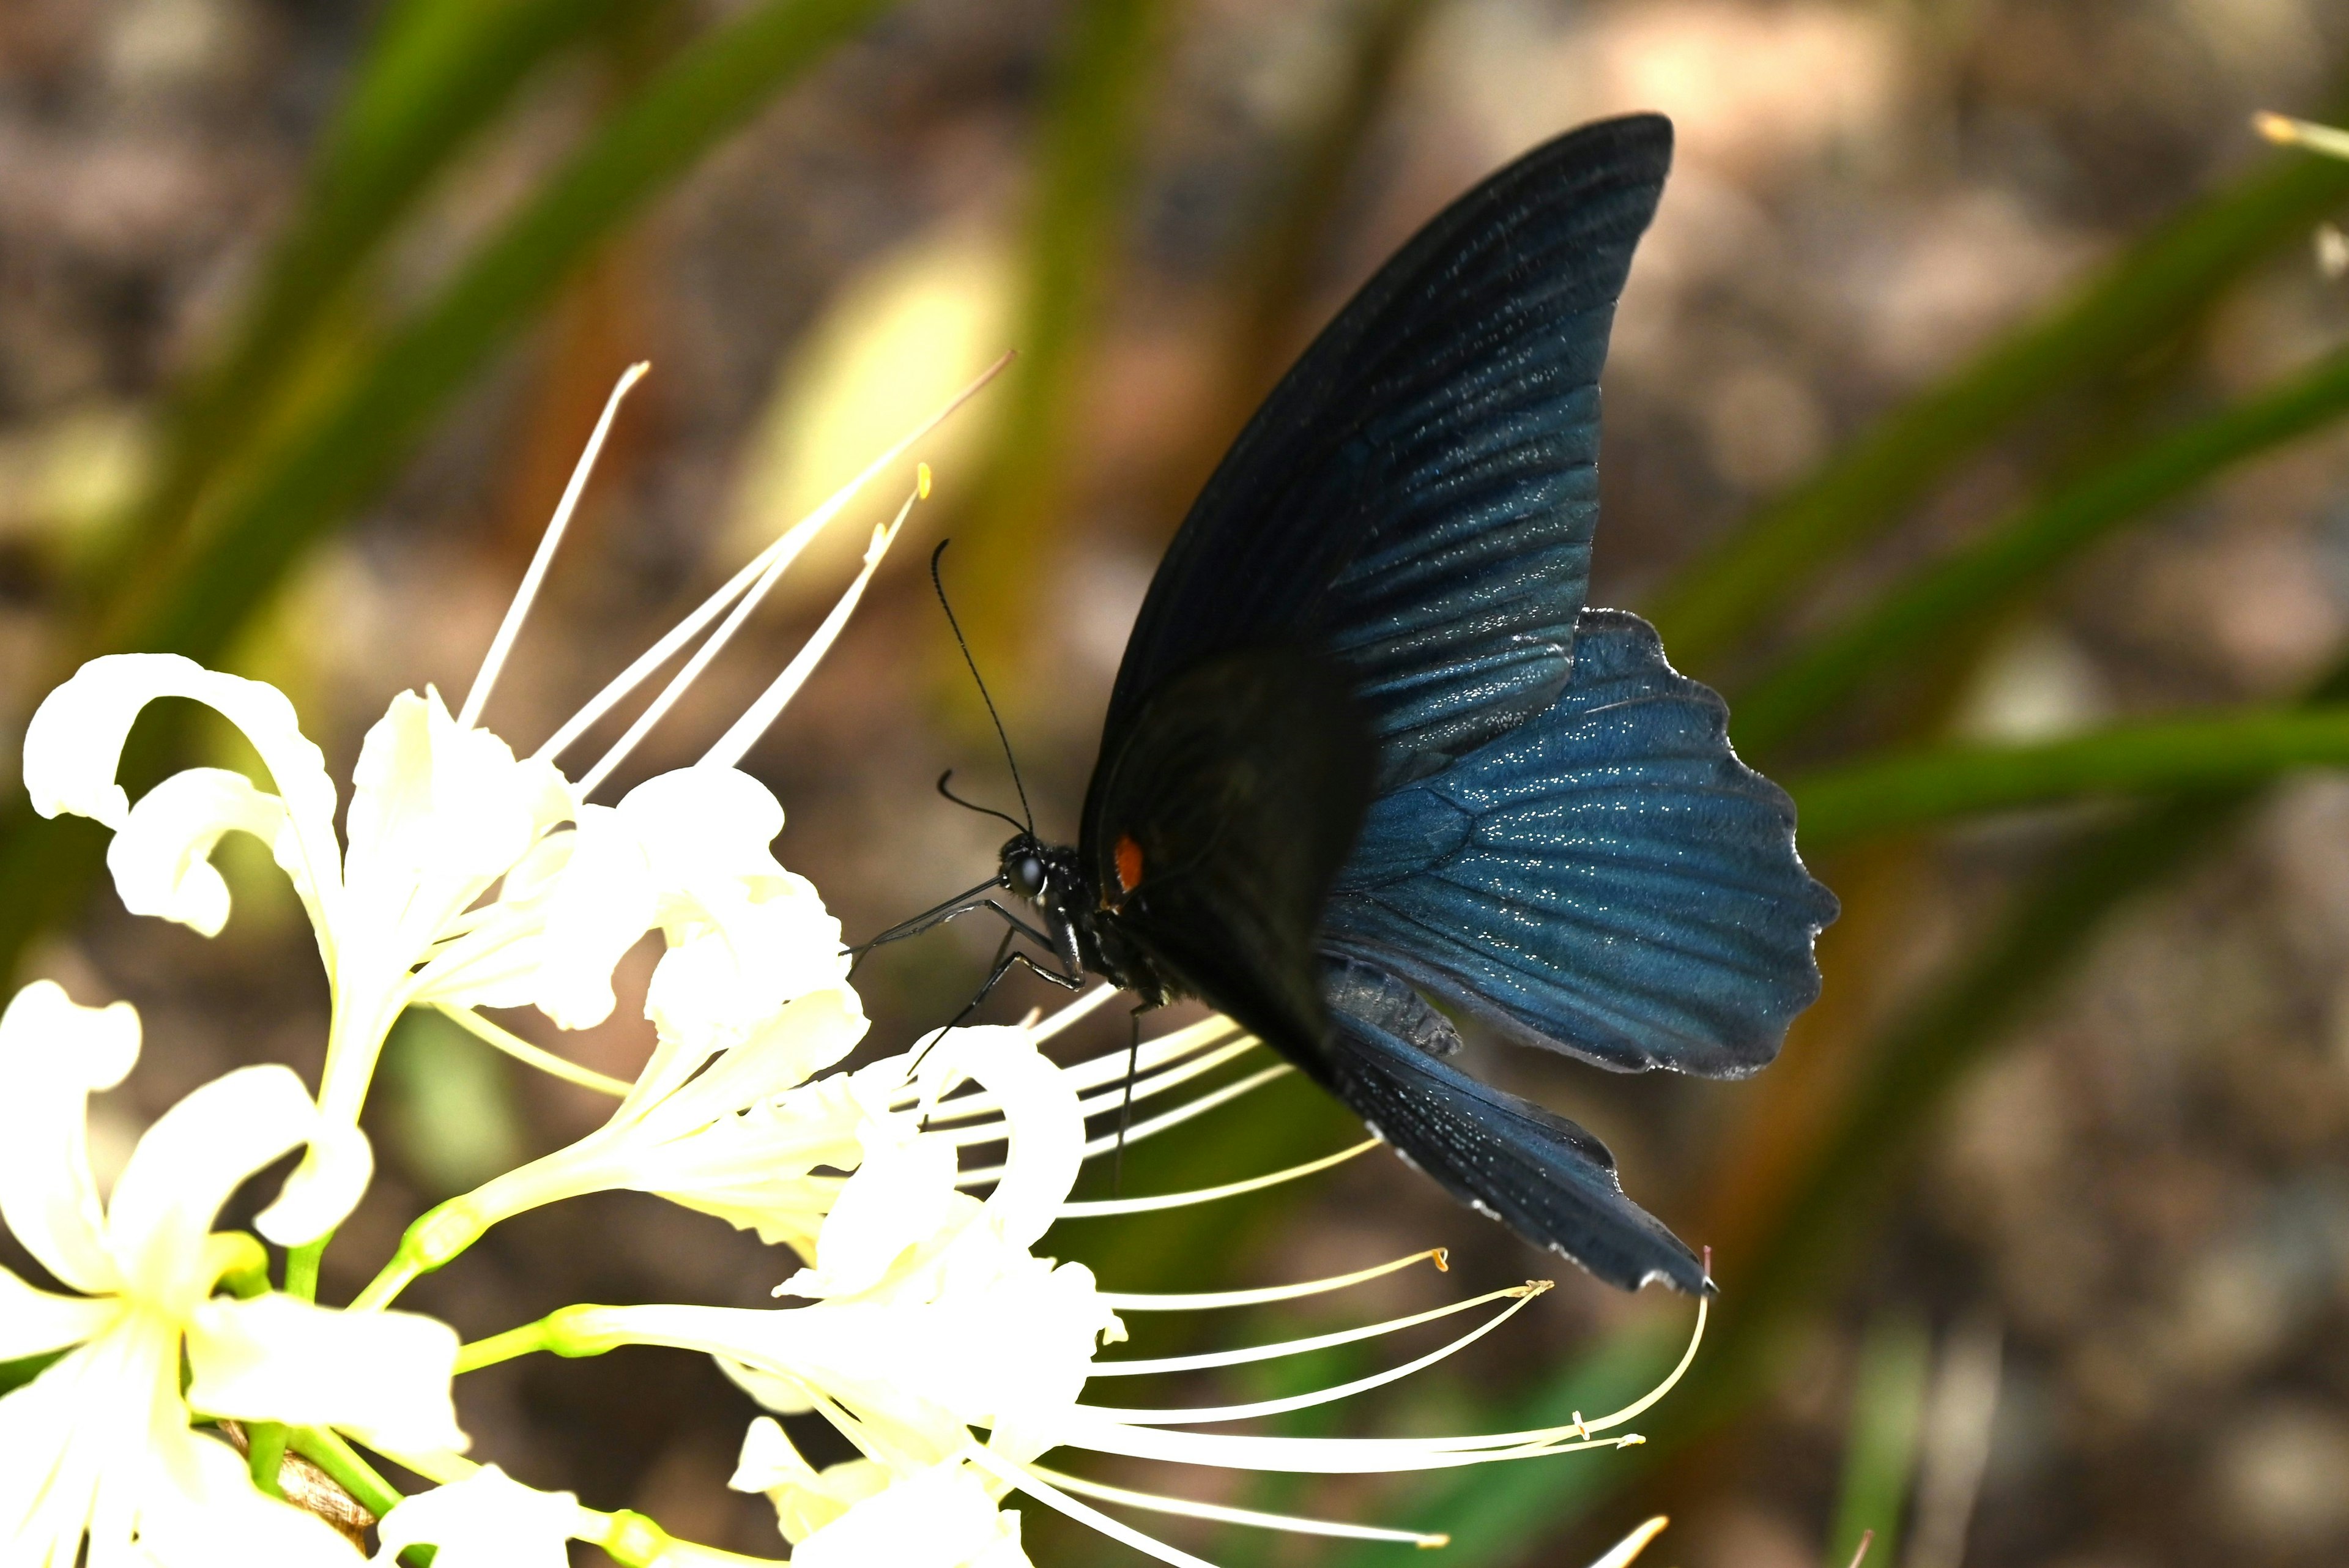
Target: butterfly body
(1370,751)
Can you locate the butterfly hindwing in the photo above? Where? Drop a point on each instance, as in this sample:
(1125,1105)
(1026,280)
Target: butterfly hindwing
(1224,815)
(1607,879)
(1544,1176)
(1417,496)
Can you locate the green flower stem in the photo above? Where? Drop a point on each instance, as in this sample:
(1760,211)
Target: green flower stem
(265,1454)
(2142,296)
(573,1332)
(330,1453)
(302,1268)
(1889,795)
(1920,613)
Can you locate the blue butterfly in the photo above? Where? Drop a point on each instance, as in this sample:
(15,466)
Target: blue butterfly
(1368,745)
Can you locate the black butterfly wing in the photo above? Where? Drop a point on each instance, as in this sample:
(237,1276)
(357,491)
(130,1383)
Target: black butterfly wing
(1417,496)
(1541,1175)
(1231,799)
(1607,879)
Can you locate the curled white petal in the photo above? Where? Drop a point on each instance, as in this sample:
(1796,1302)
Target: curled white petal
(53,1055)
(162,856)
(323,1189)
(488,1520)
(74,744)
(185,1167)
(1047,1126)
(382,1374)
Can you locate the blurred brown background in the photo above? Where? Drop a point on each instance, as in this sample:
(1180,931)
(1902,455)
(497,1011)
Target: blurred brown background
(2140,1207)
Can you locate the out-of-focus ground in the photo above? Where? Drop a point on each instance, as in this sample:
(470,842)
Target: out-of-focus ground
(2147,1202)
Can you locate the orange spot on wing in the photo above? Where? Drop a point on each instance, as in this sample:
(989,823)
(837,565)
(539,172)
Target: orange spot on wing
(1129,863)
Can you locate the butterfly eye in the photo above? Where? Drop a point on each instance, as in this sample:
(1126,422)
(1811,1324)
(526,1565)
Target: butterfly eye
(1027,875)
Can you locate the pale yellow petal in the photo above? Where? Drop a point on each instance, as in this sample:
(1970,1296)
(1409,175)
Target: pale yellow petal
(33,1322)
(53,1055)
(185,1167)
(161,856)
(486,1521)
(275,1358)
(74,745)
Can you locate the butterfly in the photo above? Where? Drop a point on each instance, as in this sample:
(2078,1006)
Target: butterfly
(1371,757)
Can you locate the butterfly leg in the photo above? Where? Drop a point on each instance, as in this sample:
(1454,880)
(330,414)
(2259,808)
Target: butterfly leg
(1125,1106)
(962,903)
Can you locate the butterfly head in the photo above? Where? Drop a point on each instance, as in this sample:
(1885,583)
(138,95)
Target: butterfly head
(1044,875)
(1025,871)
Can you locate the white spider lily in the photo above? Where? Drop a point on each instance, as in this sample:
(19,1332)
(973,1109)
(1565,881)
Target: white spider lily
(472,877)
(733,1131)
(954,1359)
(100,1443)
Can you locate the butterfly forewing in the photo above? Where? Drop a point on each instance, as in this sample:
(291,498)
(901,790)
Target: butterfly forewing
(1419,494)
(1222,820)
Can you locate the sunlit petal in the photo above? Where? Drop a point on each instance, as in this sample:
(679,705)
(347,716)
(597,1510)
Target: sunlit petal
(898,1197)
(74,745)
(161,856)
(276,1358)
(805,1498)
(35,1321)
(1047,1128)
(486,1521)
(323,1189)
(188,1163)
(944,1518)
(53,1055)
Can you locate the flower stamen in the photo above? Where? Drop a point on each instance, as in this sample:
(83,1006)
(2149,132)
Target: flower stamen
(1219,1513)
(1263,1295)
(1095,1207)
(1200,1416)
(502,644)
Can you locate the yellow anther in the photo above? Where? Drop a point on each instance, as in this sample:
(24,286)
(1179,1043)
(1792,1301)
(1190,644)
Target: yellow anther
(922,480)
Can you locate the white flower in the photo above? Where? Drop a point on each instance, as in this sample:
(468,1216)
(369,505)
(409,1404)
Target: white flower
(472,878)
(942,1517)
(487,1519)
(953,1358)
(734,1132)
(101,1442)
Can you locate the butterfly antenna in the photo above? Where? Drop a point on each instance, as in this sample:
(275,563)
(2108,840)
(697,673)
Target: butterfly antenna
(974,805)
(955,626)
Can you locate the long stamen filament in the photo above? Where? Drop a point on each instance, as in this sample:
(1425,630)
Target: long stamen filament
(1263,1295)
(1204,1414)
(717,641)
(1094,1207)
(1220,1514)
(537,1056)
(784,550)
(1053,1497)
(1135,1133)
(737,742)
(1091,1073)
(1247,1353)
(494,661)
(1145,1085)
